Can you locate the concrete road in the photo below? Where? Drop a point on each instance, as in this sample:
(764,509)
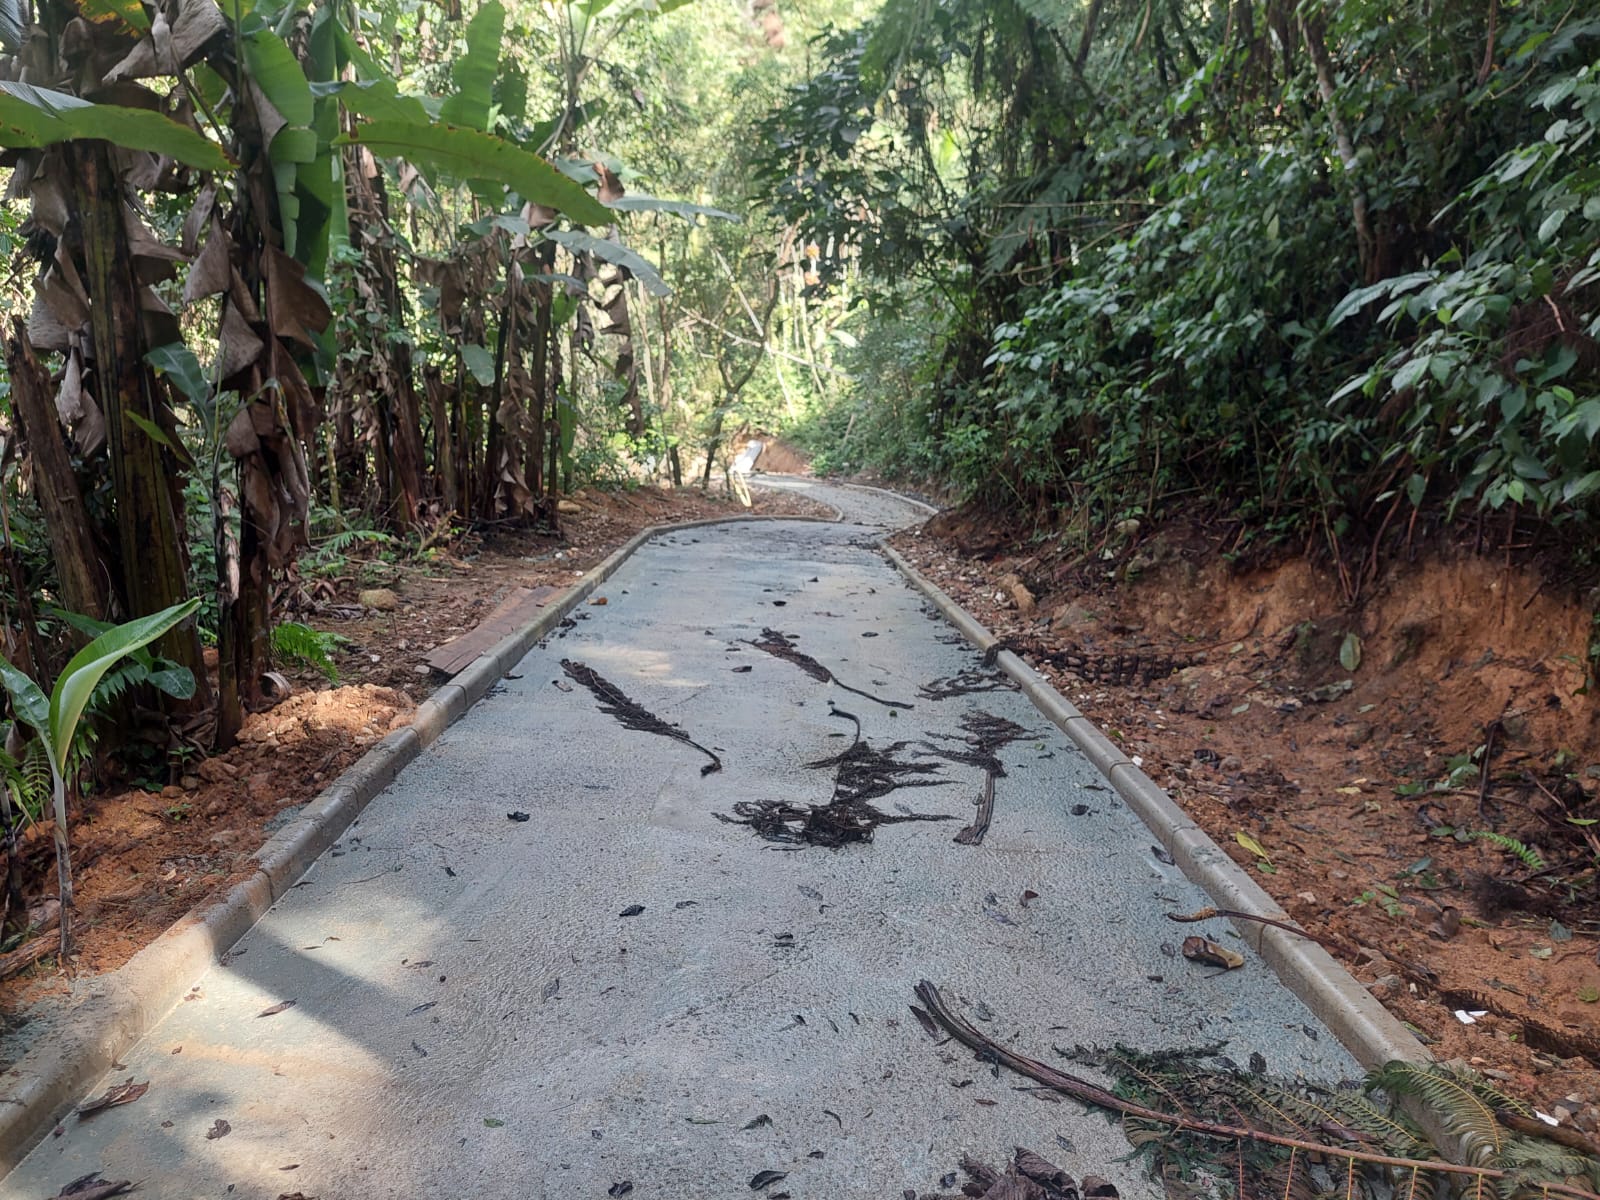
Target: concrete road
(622,991)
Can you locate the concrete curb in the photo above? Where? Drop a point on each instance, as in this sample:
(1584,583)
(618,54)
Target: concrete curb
(126,1003)
(1371,1034)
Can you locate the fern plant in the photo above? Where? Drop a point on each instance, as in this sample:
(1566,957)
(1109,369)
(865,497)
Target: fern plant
(1529,856)
(1344,1143)
(1473,1112)
(329,556)
(142,666)
(294,642)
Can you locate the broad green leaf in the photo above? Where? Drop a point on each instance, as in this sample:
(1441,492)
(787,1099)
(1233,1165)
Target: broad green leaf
(479,363)
(172,680)
(1350,652)
(679,208)
(129,12)
(367,67)
(473,73)
(1411,373)
(27,700)
(178,363)
(33,117)
(1253,846)
(581,243)
(466,154)
(152,431)
(294,144)
(381,100)
(84,671)
(277,73)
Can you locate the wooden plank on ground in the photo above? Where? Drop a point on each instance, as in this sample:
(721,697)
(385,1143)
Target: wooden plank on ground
(510,615)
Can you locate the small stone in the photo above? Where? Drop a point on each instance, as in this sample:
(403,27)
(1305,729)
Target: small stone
(423,668)
(1069,615)
(568,506)
(171,792)
(380,599)
(1330,692)
(1385,987)
(215,770)
(1018,593)
(260,786)
(189,782)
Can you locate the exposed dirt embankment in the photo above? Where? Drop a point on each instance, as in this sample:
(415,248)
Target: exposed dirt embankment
(1420,771)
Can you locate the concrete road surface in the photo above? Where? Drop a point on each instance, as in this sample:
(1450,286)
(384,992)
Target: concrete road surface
(621,991)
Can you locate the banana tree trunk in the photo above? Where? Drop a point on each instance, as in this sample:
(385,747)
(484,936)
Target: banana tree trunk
(66,521)
(154,574)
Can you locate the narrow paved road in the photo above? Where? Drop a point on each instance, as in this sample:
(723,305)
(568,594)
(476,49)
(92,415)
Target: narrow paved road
(622,989)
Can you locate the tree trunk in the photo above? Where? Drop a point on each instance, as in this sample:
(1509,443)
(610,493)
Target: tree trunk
(441,406)
(1316,47)
(539,374)
(72,545)
(148,529)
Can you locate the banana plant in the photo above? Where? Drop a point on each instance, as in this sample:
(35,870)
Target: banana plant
(55,719)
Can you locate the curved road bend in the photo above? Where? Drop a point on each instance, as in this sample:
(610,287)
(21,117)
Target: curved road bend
(622,989)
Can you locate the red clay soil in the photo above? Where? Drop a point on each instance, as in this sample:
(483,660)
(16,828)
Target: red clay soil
(1359,786)
(147,854)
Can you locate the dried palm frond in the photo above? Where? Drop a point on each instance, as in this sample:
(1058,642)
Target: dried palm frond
(614,702)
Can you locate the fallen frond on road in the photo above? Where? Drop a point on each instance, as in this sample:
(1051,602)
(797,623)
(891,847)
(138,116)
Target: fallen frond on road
(633,715)
(1337,1142)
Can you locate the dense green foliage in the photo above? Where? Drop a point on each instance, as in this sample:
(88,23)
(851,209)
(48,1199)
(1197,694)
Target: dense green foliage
(1128,255)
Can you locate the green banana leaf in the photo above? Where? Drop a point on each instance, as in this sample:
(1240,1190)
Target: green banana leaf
(473,73)
(467,154)
(641,268)
(32,117)
(79,677)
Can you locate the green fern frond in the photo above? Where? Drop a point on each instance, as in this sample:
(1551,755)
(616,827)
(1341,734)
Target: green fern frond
(1529,856)
(300,643)
(1454,1100)
(339,543)
(1354,1112)
(37,781)
(1549,1160)
(1495,1098)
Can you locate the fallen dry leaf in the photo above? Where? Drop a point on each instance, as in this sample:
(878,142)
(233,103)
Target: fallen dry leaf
(125,1092)
(281,1006)
(1204,950)
(219,1129)
(92,1187)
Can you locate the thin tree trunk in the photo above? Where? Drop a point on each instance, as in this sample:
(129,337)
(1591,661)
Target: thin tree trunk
(66,521)
(153,573)
(1316,47)
(444,451)
(538,373)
